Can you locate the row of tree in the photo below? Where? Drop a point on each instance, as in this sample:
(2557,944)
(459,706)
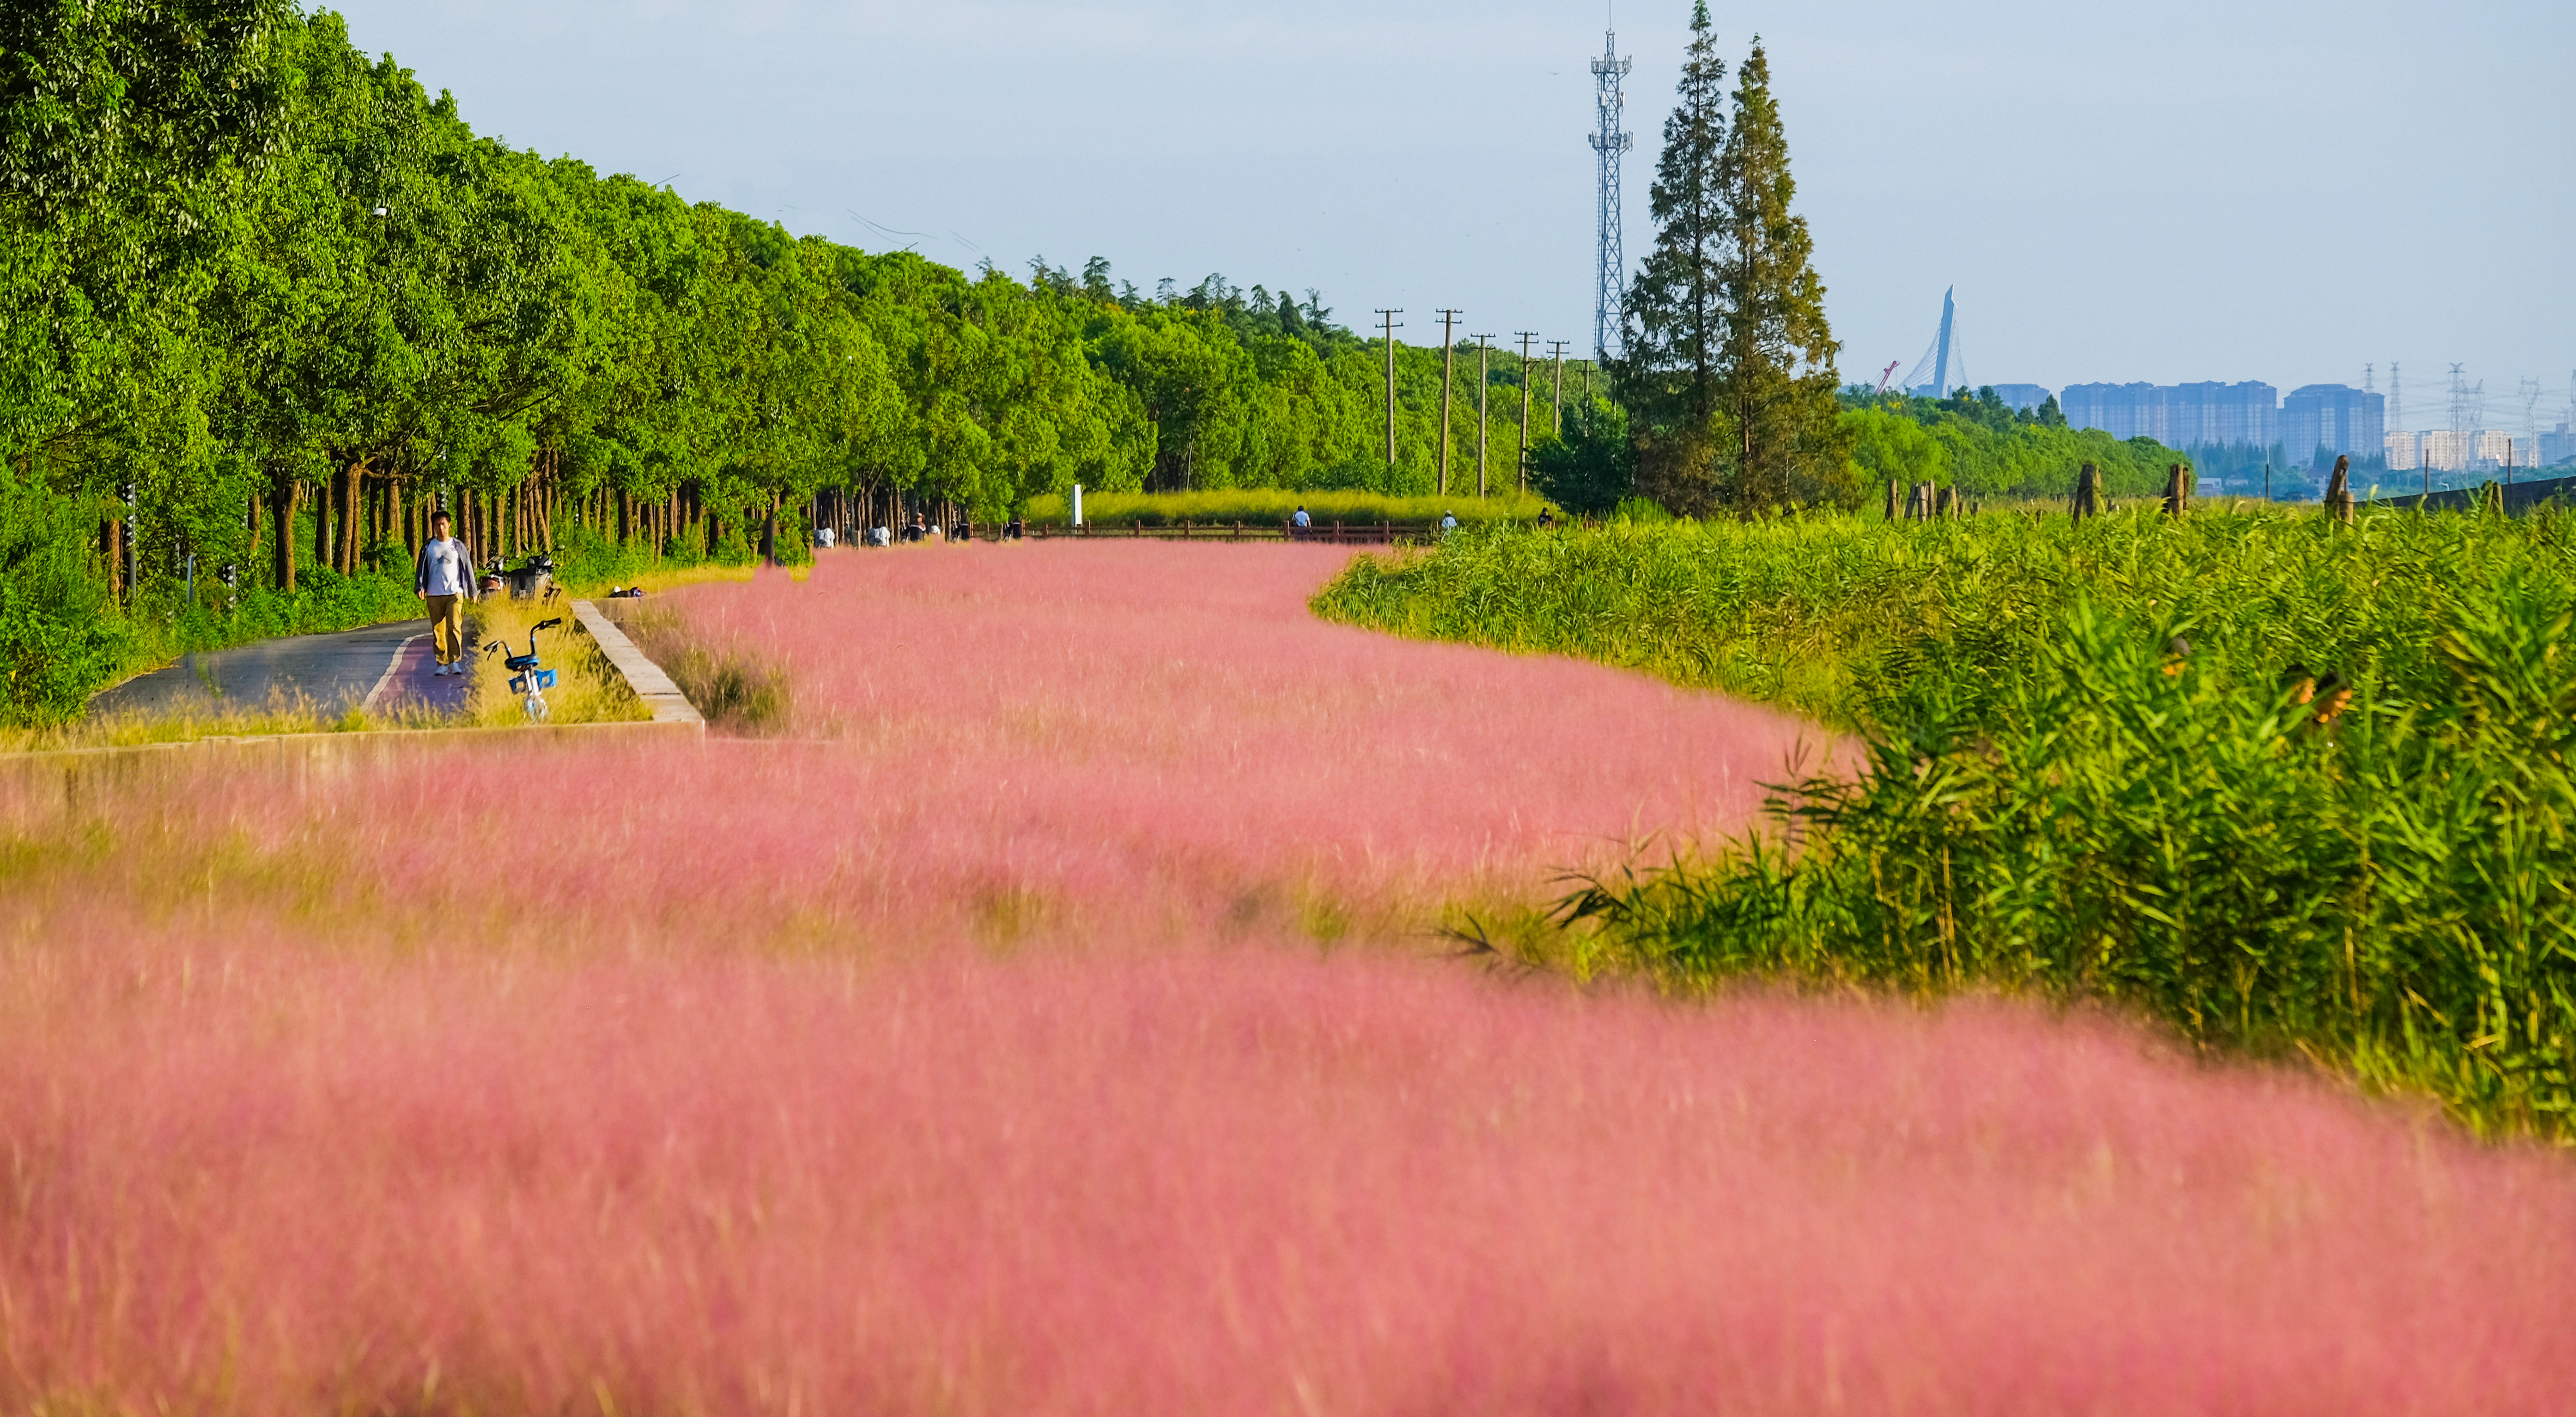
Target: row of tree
(264,301)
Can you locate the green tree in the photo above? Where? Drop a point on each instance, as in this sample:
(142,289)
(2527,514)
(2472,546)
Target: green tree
(1593,468)
(1776,372)
(1675,316)
(1887,446)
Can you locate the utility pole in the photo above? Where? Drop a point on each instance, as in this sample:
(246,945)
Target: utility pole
(1483,426)
(1527,337)
(1448,320)
(1556,356)
(1391,328)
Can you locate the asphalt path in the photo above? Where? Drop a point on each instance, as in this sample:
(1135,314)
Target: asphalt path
(375,666)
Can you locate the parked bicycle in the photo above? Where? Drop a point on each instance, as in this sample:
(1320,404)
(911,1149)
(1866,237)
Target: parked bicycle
(527,677)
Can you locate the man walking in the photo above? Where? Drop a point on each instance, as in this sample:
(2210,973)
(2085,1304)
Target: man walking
(445,579)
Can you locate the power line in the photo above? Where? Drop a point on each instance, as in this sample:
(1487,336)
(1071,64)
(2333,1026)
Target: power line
(1527,338)
(1448,321)
(1556,356)
(1391,327)
(1484,427)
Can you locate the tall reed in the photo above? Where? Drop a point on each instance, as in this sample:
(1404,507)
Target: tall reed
(2097,768)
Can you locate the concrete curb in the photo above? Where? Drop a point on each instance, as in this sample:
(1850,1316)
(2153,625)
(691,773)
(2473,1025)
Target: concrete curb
(645,677)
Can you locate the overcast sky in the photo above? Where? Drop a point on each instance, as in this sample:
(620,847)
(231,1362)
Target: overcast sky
(2281,190)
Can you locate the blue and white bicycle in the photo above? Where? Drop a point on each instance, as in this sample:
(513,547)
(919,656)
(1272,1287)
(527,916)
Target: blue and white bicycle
(526,677)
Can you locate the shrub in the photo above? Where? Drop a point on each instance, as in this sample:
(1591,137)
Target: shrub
(2090,771)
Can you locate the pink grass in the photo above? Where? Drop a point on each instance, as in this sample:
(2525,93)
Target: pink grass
(1090,743)
(598,1076)
(1245,1182)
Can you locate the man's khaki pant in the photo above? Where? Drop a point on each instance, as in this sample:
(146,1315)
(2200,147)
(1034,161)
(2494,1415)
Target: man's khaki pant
(447,627)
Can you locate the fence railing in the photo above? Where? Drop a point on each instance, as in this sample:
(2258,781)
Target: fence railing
(1381,533)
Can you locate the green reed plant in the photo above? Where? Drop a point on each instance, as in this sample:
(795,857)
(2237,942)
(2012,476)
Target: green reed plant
(2088,775)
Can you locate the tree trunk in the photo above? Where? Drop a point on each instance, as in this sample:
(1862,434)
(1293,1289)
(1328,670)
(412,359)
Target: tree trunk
(353,519)
(252,525)
(111,548)
(281,513)
(321,500)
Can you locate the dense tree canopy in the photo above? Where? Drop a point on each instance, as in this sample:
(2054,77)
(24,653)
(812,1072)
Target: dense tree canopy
(263,300)
(1986,448)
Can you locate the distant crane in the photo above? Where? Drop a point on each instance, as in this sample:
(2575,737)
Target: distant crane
(1883,376)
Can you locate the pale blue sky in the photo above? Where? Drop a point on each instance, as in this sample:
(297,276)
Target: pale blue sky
(2170,191)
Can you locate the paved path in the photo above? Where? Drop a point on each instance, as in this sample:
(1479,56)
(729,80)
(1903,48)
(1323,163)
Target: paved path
(381,665)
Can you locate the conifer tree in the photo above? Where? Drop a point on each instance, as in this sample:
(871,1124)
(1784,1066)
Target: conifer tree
(1730,359)
(1776,375)
(1674,310)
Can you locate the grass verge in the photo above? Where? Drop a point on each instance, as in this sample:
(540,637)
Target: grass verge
(1268,507)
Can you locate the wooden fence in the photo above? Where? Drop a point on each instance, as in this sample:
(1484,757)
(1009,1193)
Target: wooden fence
(1336,533)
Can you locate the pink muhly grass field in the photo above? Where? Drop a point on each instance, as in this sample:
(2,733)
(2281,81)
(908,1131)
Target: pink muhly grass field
(968,1051)
(1182,702)
(1249,1181)
(1093,743)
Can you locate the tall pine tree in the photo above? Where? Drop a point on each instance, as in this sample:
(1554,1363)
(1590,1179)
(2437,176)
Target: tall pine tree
(1675,310)
(1730,359)
(1776,374)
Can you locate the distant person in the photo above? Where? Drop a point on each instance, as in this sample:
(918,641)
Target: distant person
(965,531)
(444,580)
(1298,524)
(880,536)
(1546,518)
(913,531)
(1448,521)
(823,537)
(1014,529)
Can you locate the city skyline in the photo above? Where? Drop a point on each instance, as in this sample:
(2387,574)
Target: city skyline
(2114,195)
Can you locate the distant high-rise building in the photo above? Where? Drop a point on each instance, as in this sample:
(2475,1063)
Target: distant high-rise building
(2208,415)
(2492,446)
(2402,451)
(2322,422)
(2558,447)
(2445,451)
(2021,396)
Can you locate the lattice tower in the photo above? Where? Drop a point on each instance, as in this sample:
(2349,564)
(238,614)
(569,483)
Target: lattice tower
(1609,281)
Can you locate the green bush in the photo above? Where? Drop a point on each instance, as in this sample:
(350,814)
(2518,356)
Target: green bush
(60,635)
(2089,773)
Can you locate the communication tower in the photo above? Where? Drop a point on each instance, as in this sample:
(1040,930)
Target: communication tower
(1610,285)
